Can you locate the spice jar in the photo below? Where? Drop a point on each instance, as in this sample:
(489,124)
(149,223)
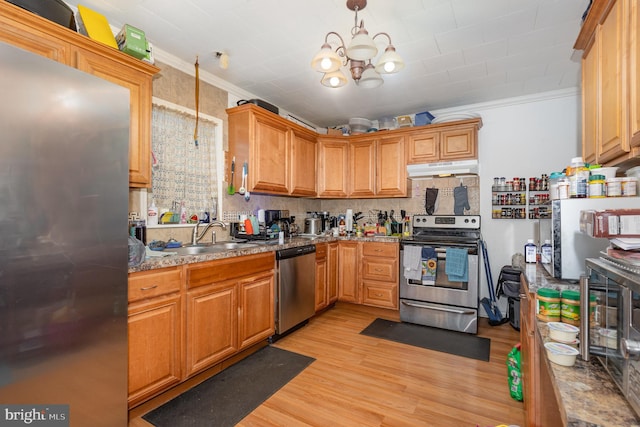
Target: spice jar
(597,186)
(548,305)
(614,187)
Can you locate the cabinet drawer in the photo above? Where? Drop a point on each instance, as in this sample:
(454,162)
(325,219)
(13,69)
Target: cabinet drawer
(380,294)
(205,273)
(380,249)
(149,284)
(384,269)
(321,251)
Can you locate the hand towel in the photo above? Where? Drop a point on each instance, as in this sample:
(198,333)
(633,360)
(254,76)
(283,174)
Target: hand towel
(429,265)
(411,262)
(457,266)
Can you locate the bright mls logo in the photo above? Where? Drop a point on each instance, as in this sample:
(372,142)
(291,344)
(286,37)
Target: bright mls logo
(34,415)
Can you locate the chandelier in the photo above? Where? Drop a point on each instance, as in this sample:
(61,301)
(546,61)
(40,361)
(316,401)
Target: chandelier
(358,55)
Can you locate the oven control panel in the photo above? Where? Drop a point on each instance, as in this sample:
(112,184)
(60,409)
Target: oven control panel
(471,222)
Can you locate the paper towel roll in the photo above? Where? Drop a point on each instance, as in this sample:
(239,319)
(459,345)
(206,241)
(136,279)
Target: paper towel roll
(349,220)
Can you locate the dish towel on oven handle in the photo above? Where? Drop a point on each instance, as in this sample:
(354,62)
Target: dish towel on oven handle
(429,265)
(457,265)
(411,262)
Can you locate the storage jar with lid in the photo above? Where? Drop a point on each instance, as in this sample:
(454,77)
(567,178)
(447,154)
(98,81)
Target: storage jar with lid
(629,187)
(548,305)
(570,307)
(614,187)
(597,187)
(578,176)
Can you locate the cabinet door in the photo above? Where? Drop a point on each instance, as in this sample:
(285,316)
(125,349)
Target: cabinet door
(528,359)
(140,88)
(321,284)
(212,324)
(303,164)
(423,147)
(458,143)
(362,161)
(348,277)
(256,310)
(332,272)
(380,294)
(269,157)
(634,75)
(155,347)
(391,167)
(333,155)
(589,103)
(612,108)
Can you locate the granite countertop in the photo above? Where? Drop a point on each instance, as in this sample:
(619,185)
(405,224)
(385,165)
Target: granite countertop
(585,391)
(269,246)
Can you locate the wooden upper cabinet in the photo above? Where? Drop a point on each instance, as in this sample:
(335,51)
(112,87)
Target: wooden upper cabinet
(610,101)
(391,168)
(333,158)
(444,142)
(268,157)
(612,110)
(362,168)
(43,37)
(303,163)
(589,103)
(634,76)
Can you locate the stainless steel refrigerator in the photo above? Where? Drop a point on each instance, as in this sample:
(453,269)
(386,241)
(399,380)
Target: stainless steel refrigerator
(64,138)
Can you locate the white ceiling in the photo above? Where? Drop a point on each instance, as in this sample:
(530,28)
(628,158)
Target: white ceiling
(457,52)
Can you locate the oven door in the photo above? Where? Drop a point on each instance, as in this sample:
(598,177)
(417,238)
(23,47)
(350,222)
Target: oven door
(438,301)
(441,289)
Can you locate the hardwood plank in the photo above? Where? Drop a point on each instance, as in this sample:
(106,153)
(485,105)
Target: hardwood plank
(365,381)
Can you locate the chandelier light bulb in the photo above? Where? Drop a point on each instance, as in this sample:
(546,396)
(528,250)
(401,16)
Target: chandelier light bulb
(389,67)
(334,81)
(325,64)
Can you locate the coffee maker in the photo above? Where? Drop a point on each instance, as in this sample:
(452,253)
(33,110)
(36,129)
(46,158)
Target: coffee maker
(324,219)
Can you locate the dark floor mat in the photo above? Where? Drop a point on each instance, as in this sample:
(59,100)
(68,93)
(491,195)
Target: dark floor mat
(228,397)
(452,342)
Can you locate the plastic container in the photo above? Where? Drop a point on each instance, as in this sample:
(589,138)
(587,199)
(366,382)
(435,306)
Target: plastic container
(554,181)
(530,252)
(629,187)
(597,187)
(614,187)
(562,332)
(546,252)
(548,305)
(570,307)
(561,354)
(608,172)
(578,176)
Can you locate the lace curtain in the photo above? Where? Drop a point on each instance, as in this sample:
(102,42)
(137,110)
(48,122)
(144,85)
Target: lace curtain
(183,171)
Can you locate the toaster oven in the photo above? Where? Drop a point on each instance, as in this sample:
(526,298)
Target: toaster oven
(612,332)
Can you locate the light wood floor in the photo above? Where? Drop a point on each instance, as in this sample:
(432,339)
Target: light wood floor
(362,381)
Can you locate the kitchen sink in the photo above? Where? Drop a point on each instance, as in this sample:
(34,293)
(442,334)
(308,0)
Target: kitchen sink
(234,245)
(196,250)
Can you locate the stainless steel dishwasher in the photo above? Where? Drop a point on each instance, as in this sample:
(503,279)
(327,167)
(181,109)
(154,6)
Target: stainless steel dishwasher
(295,297)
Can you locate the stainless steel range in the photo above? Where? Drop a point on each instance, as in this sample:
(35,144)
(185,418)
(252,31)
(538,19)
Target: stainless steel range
(439,272)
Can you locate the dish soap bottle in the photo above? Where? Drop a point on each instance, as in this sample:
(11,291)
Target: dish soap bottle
(152,214)
(530,252)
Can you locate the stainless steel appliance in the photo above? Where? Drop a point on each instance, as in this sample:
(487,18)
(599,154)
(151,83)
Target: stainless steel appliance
(64,251)
(613,331)
(439,301)
(570,247)
(295,297)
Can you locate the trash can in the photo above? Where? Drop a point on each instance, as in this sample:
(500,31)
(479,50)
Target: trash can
(509,286)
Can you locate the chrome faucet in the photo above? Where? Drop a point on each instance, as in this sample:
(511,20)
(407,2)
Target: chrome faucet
(195,237)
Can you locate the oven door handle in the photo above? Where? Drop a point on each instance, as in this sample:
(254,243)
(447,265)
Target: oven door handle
(431,307)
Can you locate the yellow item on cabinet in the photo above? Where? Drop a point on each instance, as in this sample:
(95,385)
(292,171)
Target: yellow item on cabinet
(96,26)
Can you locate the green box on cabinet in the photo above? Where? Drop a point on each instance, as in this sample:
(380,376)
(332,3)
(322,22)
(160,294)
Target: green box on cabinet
(132,41)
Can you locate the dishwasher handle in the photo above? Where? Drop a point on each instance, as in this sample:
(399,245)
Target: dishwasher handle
(294,252)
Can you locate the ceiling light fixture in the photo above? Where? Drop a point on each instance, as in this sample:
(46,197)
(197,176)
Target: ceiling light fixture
(223,60)
(358,55)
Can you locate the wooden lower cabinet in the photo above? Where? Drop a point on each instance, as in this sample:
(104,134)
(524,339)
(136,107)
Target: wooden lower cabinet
(186,319)
(540,403)
(155,332)
(230,306)
(380,274)
(326,274)
(348,275)
(368,273)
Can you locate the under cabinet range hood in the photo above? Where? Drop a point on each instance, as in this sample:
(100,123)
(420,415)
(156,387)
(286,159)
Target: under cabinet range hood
(459,167)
